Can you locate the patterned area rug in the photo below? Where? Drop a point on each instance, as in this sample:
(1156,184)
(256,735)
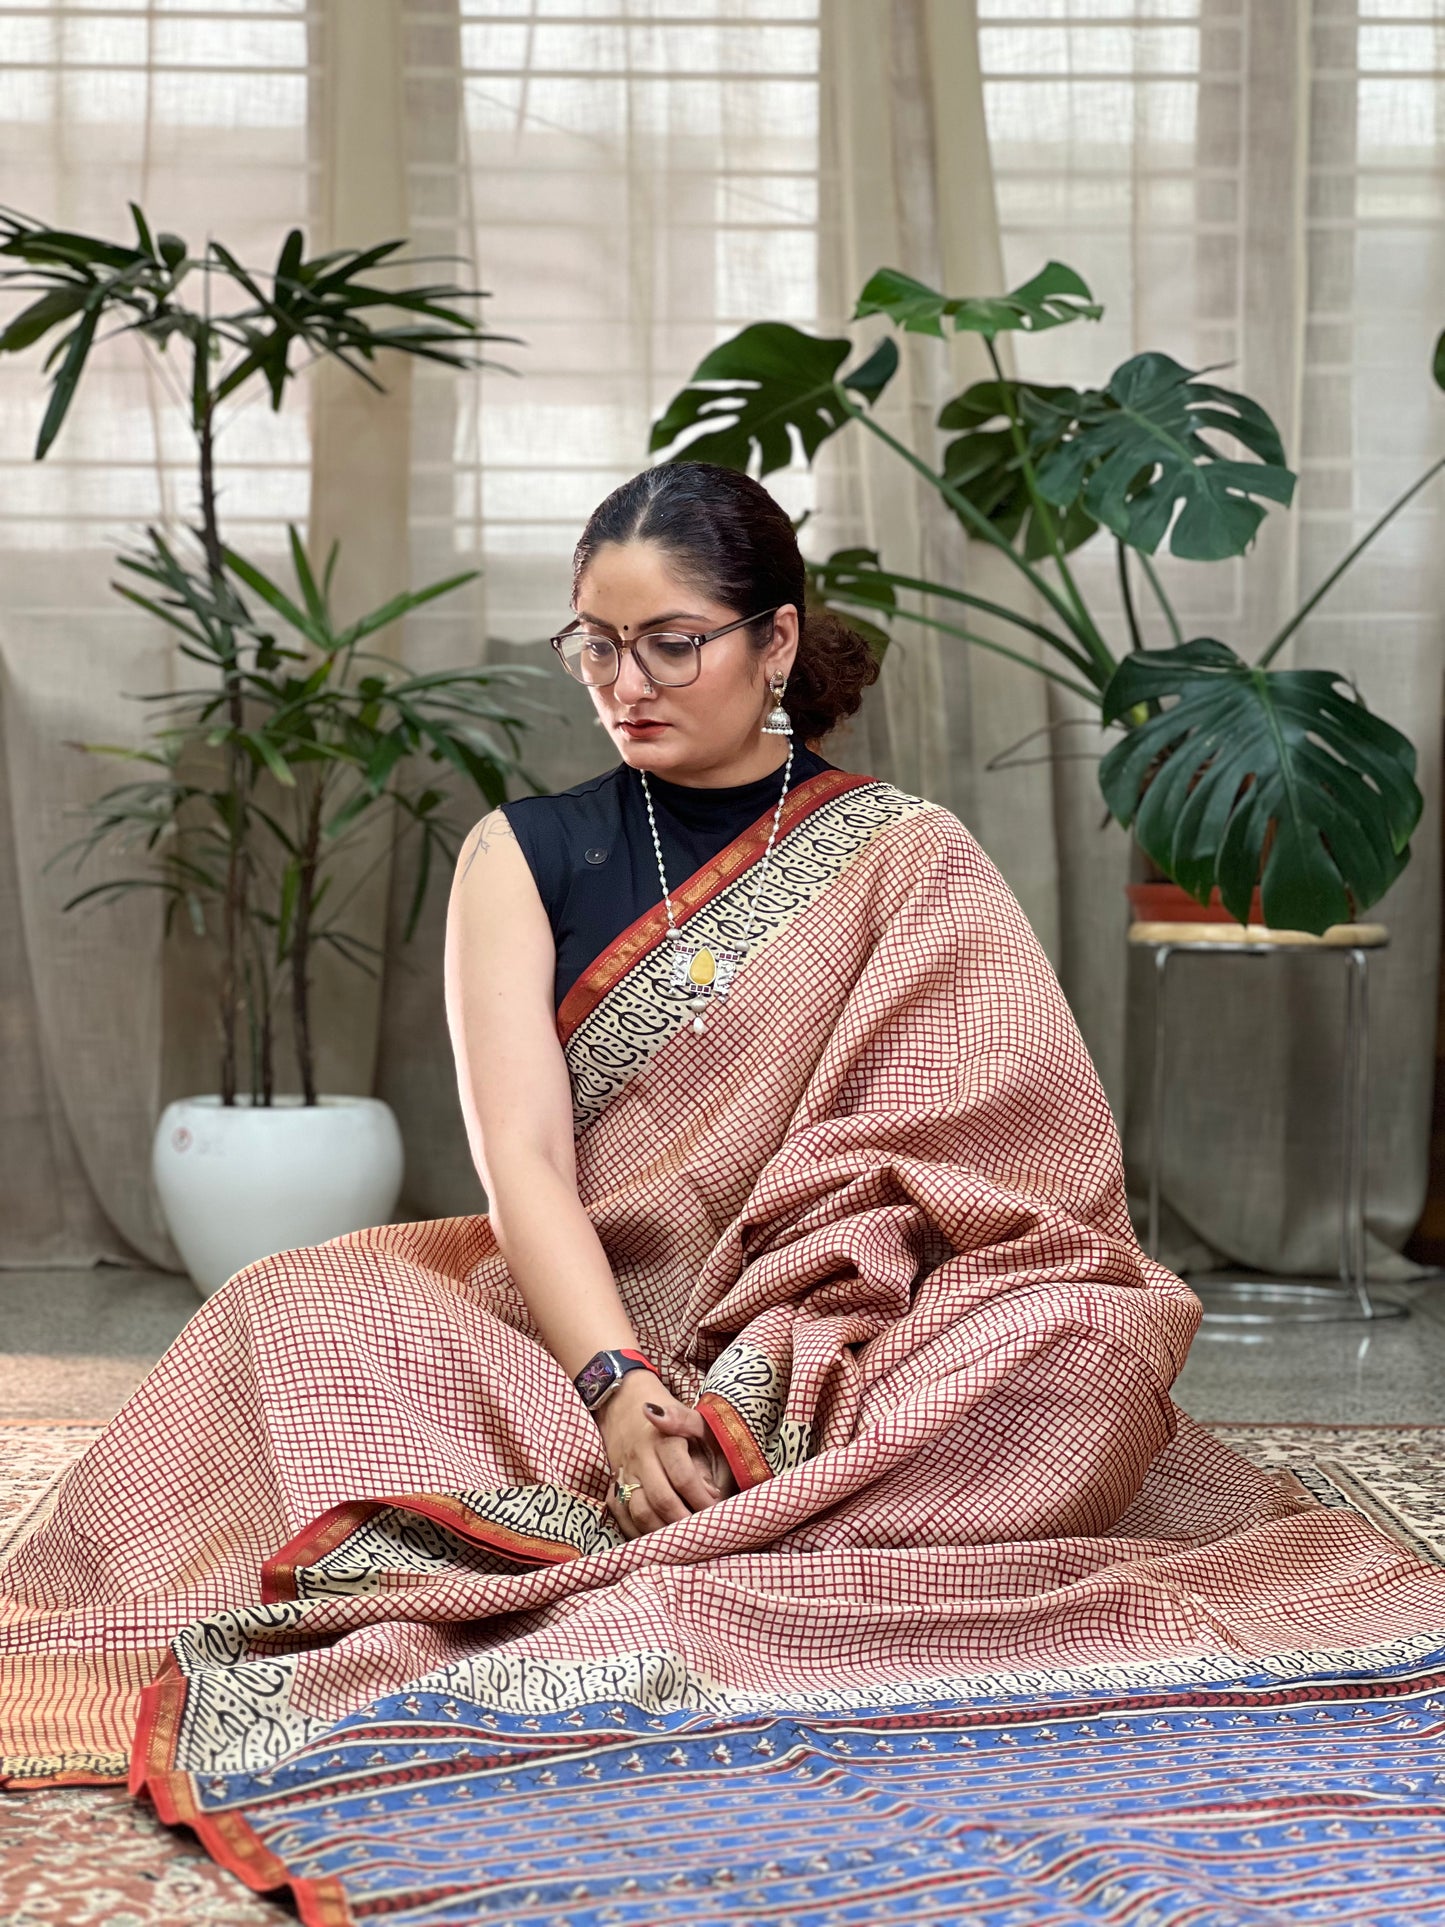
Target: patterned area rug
(91,1857)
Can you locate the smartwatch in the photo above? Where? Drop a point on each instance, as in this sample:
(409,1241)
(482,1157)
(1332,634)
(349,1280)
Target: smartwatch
(605,1371)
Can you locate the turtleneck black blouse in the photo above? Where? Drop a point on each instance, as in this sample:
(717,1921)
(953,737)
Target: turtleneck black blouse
(590,847)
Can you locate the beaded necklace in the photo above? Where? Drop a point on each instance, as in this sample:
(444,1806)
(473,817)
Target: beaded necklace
(704,971)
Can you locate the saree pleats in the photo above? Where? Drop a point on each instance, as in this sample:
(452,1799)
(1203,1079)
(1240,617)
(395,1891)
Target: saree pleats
(872,1220)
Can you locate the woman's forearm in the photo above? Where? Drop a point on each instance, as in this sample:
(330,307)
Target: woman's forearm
(557,1261)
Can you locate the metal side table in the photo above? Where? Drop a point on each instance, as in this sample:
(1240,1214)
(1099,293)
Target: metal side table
(1268,1300)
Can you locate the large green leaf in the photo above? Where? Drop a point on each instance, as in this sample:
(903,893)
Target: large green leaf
(53,307)
(1243,748)
(319,303)
(1139,449)
(983,461)
(1054,297)
(753,393)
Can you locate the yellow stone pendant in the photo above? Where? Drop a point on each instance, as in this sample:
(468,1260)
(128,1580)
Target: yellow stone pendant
(702,973)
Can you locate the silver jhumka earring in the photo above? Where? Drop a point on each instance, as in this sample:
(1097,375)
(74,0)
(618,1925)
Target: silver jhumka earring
(778,722)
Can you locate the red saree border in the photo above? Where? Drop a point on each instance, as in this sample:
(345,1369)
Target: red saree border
(226,1837)
(70,1715)
(739,1447)
(640,936)
(323,1535)
(10,1783)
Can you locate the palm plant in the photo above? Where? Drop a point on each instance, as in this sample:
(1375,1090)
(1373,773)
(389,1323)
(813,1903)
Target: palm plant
(1231,773)
(337,742)
(308,308)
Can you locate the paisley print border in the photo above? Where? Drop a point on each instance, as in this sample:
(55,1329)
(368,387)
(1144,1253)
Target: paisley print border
(232,1713)
(519,1524)
(609,1036)
(617,959)
(659,1681)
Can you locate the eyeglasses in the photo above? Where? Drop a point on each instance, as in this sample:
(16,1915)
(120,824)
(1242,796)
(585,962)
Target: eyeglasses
(666,656)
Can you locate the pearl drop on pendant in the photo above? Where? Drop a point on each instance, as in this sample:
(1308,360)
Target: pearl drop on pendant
(697,1023)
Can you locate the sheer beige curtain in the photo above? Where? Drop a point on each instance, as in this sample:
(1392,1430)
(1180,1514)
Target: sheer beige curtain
(635,181)
(1257,180)
(1251,181)
(631,182)
(204,120)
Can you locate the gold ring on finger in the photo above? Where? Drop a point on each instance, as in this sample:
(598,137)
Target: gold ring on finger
(624,1490)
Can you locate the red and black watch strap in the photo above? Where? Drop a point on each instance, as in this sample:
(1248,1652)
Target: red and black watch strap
(605,1370)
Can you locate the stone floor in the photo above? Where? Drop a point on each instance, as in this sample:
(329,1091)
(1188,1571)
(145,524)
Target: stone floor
(74,1344)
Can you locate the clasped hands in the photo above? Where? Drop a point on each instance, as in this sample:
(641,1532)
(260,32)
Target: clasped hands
(663,1449)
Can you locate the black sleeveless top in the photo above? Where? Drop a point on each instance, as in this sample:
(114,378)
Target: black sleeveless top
(590,847)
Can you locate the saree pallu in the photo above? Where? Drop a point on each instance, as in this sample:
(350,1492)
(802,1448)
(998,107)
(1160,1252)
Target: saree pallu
(339,1589)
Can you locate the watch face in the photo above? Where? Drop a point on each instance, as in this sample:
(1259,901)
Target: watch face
(595,1377)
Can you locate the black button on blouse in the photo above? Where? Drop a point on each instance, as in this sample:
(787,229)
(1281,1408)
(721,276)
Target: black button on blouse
(590,848)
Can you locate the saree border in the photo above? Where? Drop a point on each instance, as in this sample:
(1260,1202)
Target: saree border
(1229,1684)
(281,1571)
(228,1838)
(733,903)
(736,1442)
(608,969)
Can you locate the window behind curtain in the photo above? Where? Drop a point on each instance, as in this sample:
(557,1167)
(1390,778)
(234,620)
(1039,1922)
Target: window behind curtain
(199,114)
(1178,153)
(634,183)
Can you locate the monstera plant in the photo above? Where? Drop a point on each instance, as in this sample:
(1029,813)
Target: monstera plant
(1232,774)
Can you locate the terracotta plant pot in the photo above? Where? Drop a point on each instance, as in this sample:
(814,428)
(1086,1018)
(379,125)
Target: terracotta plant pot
(1156,898)
(1168,903)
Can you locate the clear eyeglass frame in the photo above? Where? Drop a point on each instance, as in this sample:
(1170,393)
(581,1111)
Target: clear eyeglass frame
(653,667)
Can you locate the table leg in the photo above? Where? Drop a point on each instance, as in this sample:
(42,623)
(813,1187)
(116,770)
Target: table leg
(1352,1204)
(1156,1108)
(1267,1300)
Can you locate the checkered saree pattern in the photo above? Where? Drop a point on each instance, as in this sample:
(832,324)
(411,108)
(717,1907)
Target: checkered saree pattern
(872,1219)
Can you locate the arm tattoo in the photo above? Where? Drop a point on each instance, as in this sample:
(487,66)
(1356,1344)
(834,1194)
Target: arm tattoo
(487,832)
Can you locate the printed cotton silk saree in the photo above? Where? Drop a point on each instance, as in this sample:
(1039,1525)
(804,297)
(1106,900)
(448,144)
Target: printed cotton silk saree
(338,1587)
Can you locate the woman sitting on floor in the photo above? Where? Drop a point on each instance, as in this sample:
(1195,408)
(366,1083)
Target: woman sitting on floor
(806,1348)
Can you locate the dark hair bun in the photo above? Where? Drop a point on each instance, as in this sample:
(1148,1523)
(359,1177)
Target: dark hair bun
(832,668)
(723,532)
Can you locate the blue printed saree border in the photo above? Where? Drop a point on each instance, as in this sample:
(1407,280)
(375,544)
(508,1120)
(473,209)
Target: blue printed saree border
(633,1730)
(229,1838)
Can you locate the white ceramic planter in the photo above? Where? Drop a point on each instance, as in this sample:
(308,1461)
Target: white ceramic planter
(239,1181)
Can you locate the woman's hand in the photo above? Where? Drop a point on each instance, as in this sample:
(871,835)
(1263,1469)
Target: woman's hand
(662,1448)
